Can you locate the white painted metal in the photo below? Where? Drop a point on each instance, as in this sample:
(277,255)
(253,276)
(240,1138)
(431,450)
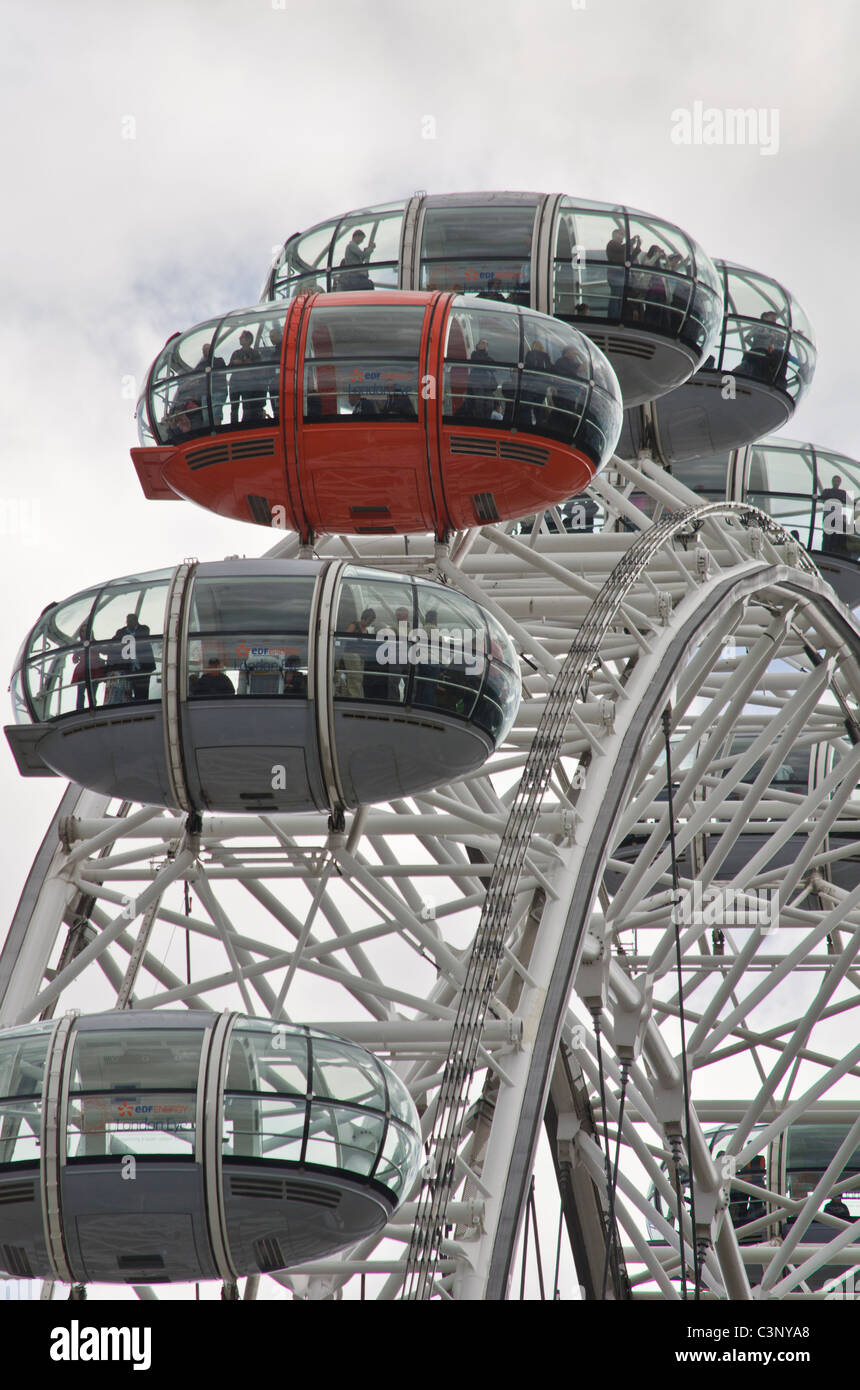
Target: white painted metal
(367,931)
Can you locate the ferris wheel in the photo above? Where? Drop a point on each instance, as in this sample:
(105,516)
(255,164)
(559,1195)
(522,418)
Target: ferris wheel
(589,886)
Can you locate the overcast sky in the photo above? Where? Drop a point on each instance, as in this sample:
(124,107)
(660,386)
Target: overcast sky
(154,155)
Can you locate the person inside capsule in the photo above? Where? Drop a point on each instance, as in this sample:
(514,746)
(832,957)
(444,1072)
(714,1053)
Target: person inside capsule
(483,383)
(763,352)
(619,254)
(360,405)
(272,356)
(835,522)
(245,384)
(213,683)
(354,276)
(131,661)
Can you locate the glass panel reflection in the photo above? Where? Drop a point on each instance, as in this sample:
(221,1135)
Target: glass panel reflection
(482,250)
(252,604)
(268,1059)
(340,1137)
(95,674)
(266,664)
(347,1073)
(393,1168)
(168,1058)
(365,243)
(263,1128)
(373,357)
(145,1123)
(20,1131)
(22,1071)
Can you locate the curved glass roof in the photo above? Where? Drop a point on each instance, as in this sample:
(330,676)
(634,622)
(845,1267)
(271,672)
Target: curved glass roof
(592,262)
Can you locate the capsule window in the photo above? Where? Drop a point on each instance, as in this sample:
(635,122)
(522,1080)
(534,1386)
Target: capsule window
(131,607)
(347,1073)
(382,603)
(262,1127)
(62,626)
(554,347)
(309,252)
(702,323)
(660,242)
(756,351)
(22,1073)
(482,251)
(782,470)
(340,1137)
(248,636)
(507,282)
(370,358)
(114,656)
(144,432)
(590,259)
(250,604)
(179,387)
(658,281)
(109,1113)
(266,664)
(367,332)
(497,706)
(800,365)
(812,494)
(487,331)
(20,710)
(244,381)
(307,284)
(456,645)
(185,353)
(394,1169)
(482,349)
(274,1059)
(833,465)
(799,321)
(366,250)
(749,296)
(372,646)
(490,231)
(501,647)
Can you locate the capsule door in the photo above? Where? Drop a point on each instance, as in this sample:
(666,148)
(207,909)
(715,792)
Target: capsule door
(360,415)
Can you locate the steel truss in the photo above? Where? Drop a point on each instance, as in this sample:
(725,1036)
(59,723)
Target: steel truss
(475,935)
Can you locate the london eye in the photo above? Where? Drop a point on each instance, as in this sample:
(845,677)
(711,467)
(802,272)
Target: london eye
(501,811)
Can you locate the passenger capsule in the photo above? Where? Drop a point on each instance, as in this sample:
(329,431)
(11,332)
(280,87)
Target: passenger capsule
(377,413)
(813,492)
(791,1166)
(149,1147)
(263,685)
(751,383)
(639,286)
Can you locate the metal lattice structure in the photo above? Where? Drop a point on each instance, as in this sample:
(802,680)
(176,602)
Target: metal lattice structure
(474,934)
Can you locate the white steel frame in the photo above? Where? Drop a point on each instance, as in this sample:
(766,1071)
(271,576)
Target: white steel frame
(367,931)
